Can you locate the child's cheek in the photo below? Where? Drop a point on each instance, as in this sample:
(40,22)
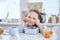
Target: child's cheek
(28,20)
(34,21)
(25,19)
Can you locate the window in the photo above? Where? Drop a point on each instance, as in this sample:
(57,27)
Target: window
(10,6)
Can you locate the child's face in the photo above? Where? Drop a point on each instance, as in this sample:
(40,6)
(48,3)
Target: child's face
(32,18)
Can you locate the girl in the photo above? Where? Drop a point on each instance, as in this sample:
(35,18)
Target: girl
(33,19)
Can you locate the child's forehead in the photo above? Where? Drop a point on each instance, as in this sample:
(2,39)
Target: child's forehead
(33,13)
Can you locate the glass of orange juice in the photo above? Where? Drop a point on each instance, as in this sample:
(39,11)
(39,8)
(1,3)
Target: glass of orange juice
(47,33)
(1,31)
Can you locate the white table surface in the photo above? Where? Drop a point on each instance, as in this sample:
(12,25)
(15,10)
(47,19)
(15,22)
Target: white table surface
(30,37)
(9,24)
(23,36)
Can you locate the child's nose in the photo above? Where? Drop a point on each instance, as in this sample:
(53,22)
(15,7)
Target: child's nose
(31,19)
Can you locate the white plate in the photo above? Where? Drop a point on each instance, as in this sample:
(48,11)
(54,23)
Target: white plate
(31,31)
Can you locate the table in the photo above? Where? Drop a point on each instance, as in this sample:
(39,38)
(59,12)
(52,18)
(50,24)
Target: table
(23,36)
(9,24)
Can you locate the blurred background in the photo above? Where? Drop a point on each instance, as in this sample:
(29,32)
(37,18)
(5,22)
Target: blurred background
(15,8)
(10,7)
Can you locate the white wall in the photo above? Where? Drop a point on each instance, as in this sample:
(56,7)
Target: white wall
(50,6)
(3,9)
(14,7)
(59,6)
(11,6)
(23,5)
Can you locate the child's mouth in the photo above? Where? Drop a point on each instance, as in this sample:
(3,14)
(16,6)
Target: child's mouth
(31,23)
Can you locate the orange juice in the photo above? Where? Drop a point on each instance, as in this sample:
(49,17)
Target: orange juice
(47,33)
(1,31)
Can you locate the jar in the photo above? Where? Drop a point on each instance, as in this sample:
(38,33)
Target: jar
(53,19)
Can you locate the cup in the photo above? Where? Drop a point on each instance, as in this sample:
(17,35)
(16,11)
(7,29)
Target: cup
(14,31)
(47,33)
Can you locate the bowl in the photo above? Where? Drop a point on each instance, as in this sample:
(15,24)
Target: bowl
(20,30)
(31,30)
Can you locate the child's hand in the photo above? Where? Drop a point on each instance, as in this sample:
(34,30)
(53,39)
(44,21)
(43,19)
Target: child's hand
(25,19)
(37,21)
(39,24)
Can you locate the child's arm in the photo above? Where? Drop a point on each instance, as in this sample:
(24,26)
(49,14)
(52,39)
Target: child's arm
(23,22)
(40,25)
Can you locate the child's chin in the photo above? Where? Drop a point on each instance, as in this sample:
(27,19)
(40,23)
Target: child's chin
(31,24)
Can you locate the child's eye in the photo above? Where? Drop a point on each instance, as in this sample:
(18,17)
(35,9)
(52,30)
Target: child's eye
(34,18)
(29,17)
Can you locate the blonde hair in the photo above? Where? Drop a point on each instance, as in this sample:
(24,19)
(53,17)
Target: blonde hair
(39,14)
